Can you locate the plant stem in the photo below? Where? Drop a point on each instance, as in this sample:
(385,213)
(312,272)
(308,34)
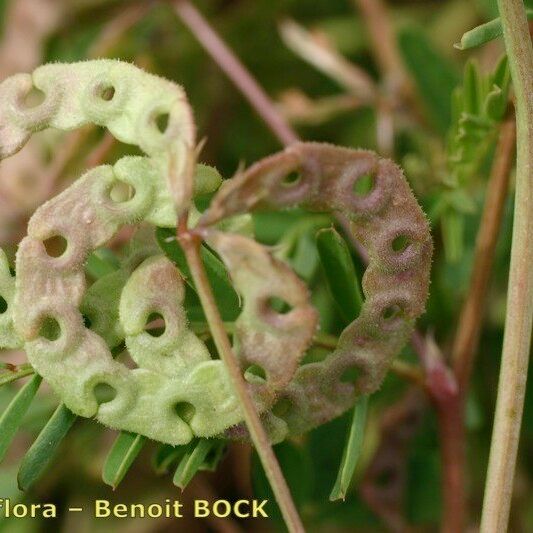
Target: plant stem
(452,444)
(519,315)
(226,60)
(470,320)
(15,373)
(381,33)
(191,247)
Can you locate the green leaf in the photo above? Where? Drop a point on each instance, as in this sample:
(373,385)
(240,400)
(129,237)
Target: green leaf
(8,376)
(433,74)
(472,87)
(214,456)
(12,417)
(225,295)
(42,450)
(192,461)
(352,450)
(340,273)
(484,33)
(124,451)
(497,98)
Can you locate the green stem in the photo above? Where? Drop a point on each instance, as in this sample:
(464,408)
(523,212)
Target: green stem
(519,316)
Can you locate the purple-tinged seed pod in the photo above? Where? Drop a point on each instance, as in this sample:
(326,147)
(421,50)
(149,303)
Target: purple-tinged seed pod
(388,222)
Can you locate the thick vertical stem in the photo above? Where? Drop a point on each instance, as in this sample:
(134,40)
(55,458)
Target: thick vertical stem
(519,315)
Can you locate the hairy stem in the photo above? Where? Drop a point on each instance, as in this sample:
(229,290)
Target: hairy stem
(225,59)
(470,320)
(191,248)
(519,315)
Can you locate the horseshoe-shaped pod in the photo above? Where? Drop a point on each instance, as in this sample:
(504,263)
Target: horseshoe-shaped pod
(388,222)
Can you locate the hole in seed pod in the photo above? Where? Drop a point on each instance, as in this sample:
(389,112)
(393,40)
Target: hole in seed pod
(363,184)
(185,411)
(161,121)
(400,243)
(35,97)
(281,407)
(55,246)
(105,92)
(390,312)
(87,322)
(279,305)
(349,375)
(50,329)
(257,371)
(291,179)
(121,192)
(3,305)
(104,393)
(155,325)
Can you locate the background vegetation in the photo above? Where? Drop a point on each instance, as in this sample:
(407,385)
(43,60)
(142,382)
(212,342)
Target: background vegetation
(337,71)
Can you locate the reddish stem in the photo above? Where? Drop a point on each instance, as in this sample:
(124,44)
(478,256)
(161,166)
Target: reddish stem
(234,69)
(453,443)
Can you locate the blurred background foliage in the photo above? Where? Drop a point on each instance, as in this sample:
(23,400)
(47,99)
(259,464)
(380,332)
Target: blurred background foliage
(447,159)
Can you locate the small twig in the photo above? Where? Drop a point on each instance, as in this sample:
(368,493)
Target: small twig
(384,127)
(298,108)
(452,450)
(470,320)
(519,315)
(355,80)
(383,40)
(225,59)
(14,373)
